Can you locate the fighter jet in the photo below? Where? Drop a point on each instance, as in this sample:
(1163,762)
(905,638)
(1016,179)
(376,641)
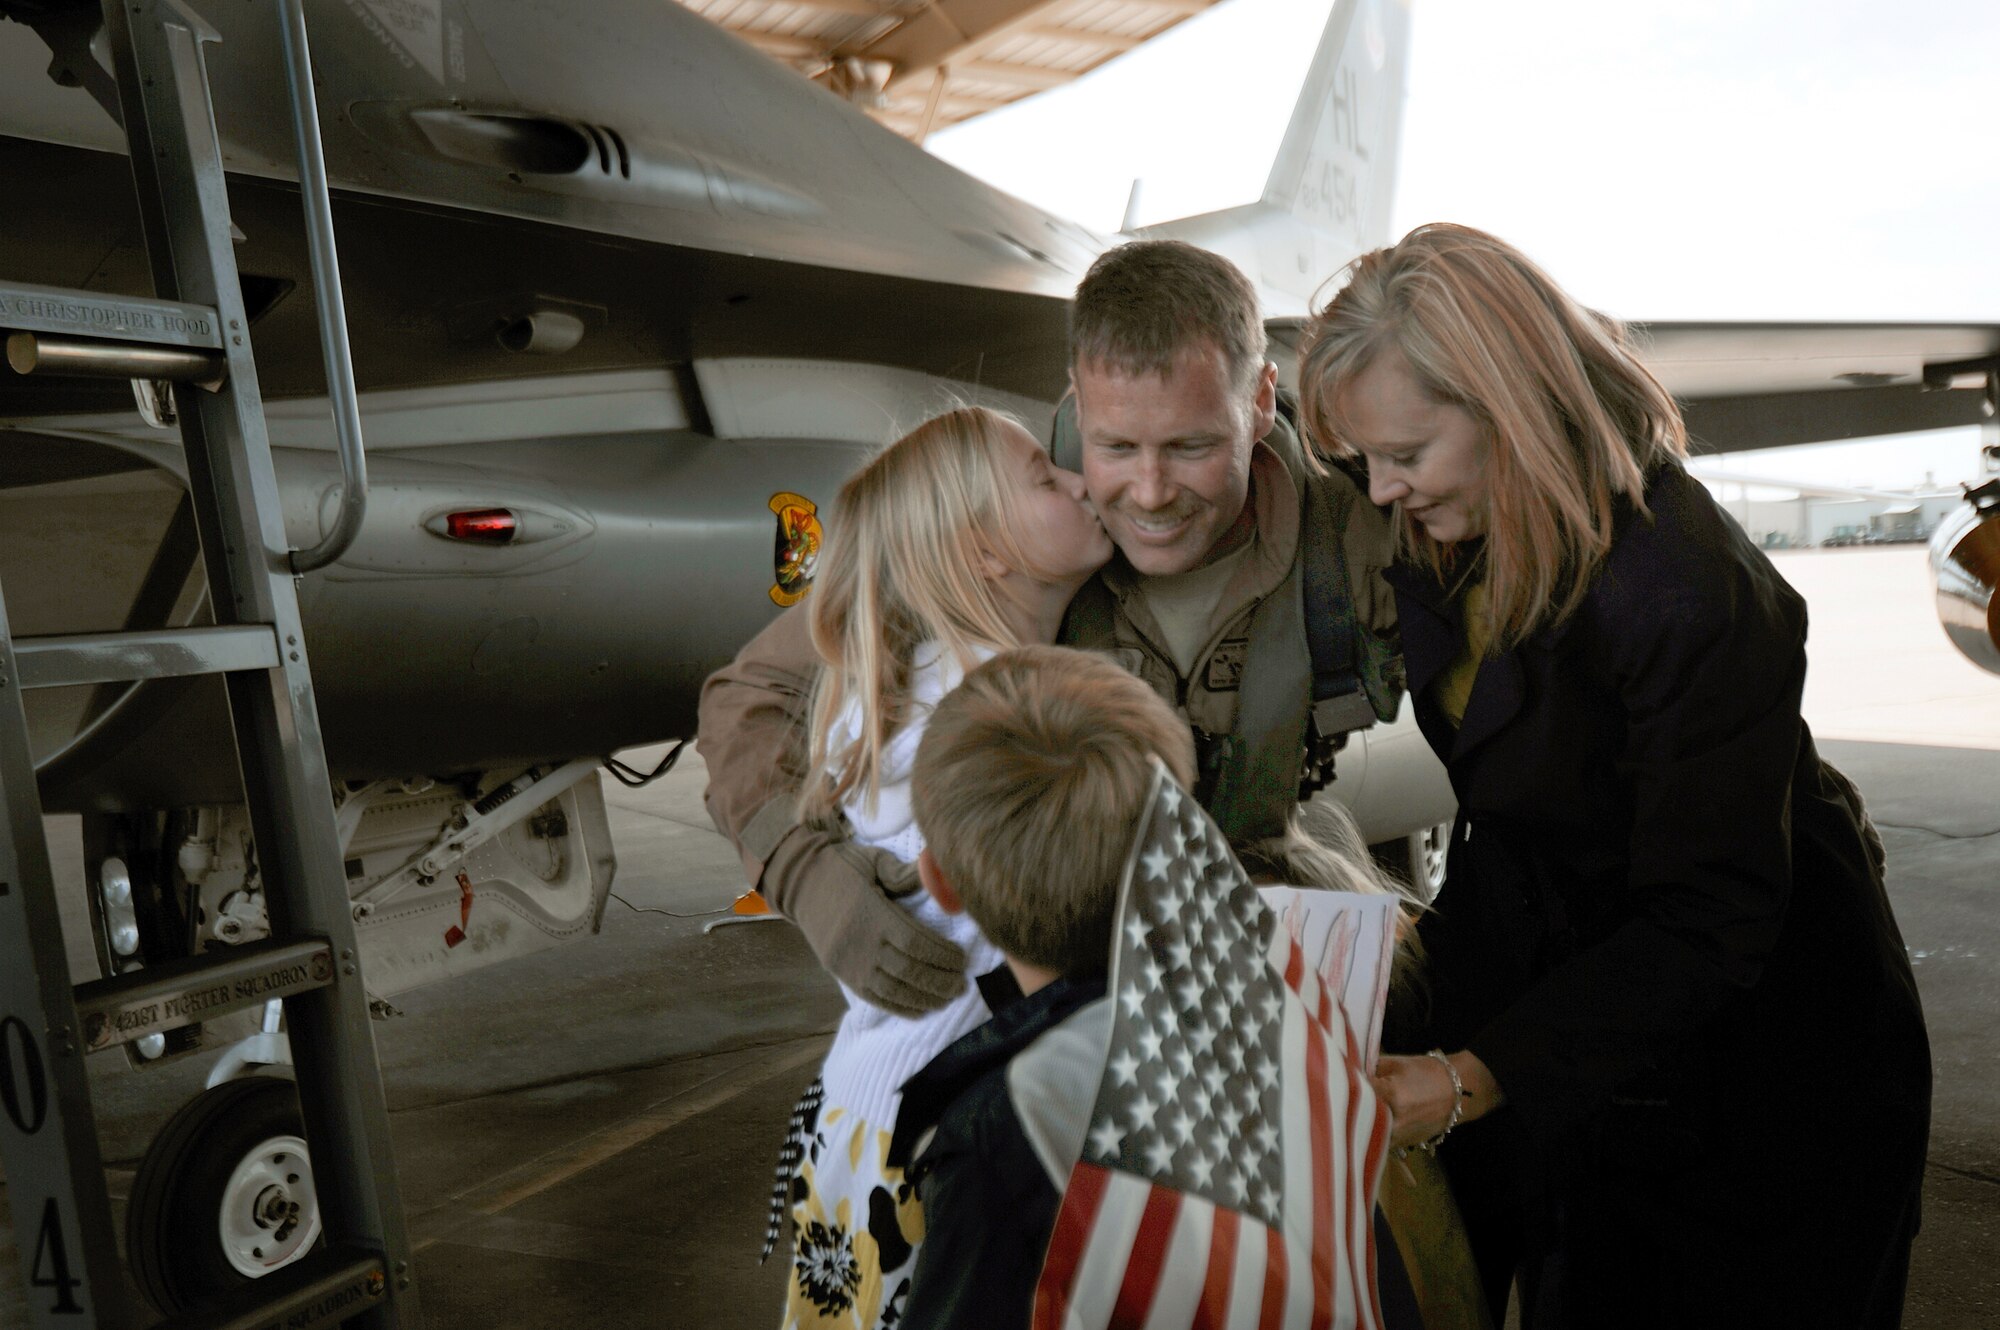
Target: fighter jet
(627,301)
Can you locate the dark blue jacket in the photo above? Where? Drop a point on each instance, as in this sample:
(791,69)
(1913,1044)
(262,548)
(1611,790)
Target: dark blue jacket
(989,1202)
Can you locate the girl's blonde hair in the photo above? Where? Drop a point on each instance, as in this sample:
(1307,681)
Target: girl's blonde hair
(1572,420)
(903,564)
(1322,846)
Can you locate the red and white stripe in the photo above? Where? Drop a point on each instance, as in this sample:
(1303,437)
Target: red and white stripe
(1129,1255)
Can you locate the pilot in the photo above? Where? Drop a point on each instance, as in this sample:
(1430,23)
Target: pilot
(1246,590)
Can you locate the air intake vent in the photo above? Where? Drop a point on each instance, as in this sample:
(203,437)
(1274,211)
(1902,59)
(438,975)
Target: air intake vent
(579,157)
(524,144)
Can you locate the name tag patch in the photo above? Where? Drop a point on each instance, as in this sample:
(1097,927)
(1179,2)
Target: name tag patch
(1225,666)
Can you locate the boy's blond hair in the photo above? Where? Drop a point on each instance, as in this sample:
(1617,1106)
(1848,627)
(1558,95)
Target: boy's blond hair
(1028,786)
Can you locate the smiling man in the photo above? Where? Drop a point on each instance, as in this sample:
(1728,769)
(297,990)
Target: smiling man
(1172,393)
(1246,591)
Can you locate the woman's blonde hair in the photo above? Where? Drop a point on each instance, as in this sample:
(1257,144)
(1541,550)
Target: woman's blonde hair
(911,535)
(1571,419)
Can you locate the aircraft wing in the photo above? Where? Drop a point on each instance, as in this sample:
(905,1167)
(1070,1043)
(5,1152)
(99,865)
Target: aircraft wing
(625,165)
(630,119)
(1765,385)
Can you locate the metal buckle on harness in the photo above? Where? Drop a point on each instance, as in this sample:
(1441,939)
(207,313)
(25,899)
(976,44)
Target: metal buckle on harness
(1211,754)
(1331,721)
(1341,713)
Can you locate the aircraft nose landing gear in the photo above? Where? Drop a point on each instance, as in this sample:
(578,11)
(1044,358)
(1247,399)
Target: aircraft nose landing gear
(224,1195)
(270,1216)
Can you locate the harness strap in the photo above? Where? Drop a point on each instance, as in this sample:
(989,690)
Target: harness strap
(1258,765)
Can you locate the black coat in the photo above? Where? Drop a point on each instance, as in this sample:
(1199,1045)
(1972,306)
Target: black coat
(1657,894)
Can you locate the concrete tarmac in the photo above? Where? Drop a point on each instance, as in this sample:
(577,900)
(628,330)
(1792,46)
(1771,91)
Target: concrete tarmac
(587,1136)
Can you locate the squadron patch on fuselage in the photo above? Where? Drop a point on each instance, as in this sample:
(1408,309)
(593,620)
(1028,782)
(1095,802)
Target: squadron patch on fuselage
(795,555)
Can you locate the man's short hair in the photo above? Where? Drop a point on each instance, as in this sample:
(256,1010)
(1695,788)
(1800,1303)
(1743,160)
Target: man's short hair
(1028,787)
(1141,305)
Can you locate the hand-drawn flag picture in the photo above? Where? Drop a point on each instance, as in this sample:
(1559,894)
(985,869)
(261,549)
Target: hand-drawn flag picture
(1349,940)
(1228,1176)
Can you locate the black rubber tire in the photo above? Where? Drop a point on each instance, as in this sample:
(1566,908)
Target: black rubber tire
(171,1243)
(1417,859)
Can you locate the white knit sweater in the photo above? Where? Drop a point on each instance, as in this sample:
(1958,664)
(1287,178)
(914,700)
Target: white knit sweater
(874,1052)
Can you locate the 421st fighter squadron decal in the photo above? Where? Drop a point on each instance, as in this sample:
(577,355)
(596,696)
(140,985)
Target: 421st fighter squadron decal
(795,555)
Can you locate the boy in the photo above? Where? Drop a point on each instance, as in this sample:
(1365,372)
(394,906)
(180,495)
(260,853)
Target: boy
(1030,780)
(1235,1100)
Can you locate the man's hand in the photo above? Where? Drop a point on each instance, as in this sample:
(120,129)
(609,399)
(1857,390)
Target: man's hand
(753,737)
(838,893)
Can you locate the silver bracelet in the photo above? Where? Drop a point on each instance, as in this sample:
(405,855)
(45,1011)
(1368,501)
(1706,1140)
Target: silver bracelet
(1459,1094)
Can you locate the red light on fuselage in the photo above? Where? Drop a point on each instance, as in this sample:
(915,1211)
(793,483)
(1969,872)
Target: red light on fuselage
(486,526)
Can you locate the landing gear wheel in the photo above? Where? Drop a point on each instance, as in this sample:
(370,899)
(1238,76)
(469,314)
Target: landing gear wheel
(1419,859)
(223,1196)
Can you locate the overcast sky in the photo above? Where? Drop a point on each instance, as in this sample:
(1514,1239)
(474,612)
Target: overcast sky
(1699,159)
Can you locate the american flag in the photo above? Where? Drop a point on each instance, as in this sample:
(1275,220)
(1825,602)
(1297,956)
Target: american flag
(1228,1176)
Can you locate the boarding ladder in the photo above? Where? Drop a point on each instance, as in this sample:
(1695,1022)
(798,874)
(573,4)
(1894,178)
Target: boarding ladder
(195,332)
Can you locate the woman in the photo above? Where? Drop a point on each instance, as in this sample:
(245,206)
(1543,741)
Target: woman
(1688,1081)
(958,541)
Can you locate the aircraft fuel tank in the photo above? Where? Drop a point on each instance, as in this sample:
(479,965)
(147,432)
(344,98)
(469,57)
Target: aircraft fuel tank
(1965,569)
(504,603)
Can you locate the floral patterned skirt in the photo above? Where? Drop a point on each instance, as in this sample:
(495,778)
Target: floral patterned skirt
(856,1225)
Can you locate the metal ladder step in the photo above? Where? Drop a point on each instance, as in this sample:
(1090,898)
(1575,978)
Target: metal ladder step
(94,314)
(55,330)
(178,993)
(325,1288)
(56,662)
(158,91)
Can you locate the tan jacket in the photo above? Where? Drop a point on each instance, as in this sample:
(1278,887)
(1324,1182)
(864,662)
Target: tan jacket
(754,720)
(752,732)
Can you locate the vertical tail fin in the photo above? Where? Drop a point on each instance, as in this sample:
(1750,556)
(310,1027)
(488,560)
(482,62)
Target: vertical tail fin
(1336,169)
(1332,184)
